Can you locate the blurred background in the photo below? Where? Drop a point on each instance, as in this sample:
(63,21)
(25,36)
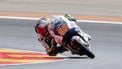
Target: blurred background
(83,7)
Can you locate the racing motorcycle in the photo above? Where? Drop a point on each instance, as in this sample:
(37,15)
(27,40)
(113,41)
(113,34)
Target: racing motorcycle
(74,39)
(77,42)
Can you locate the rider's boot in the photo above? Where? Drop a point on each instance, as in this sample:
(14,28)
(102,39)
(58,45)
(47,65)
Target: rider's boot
(51,51)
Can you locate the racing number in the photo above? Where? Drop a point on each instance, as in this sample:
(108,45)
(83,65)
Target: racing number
(62,30)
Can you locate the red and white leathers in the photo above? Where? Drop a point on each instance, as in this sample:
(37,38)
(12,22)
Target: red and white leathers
(59,26)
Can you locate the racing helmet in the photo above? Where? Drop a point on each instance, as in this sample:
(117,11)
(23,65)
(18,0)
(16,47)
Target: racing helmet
(41,26)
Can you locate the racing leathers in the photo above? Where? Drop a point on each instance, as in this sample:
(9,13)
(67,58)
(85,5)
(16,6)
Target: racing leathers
(56,34)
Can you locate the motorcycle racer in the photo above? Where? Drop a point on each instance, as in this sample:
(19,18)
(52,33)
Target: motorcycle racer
(52,34)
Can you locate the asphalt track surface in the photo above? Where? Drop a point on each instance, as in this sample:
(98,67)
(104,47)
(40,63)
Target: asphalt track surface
(106,43)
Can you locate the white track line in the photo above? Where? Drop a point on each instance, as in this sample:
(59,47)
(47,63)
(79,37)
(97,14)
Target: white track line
(94,21)
(89,21)
(13,17)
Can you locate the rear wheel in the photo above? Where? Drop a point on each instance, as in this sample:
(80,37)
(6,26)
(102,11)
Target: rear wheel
(83,49)
(90,54)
